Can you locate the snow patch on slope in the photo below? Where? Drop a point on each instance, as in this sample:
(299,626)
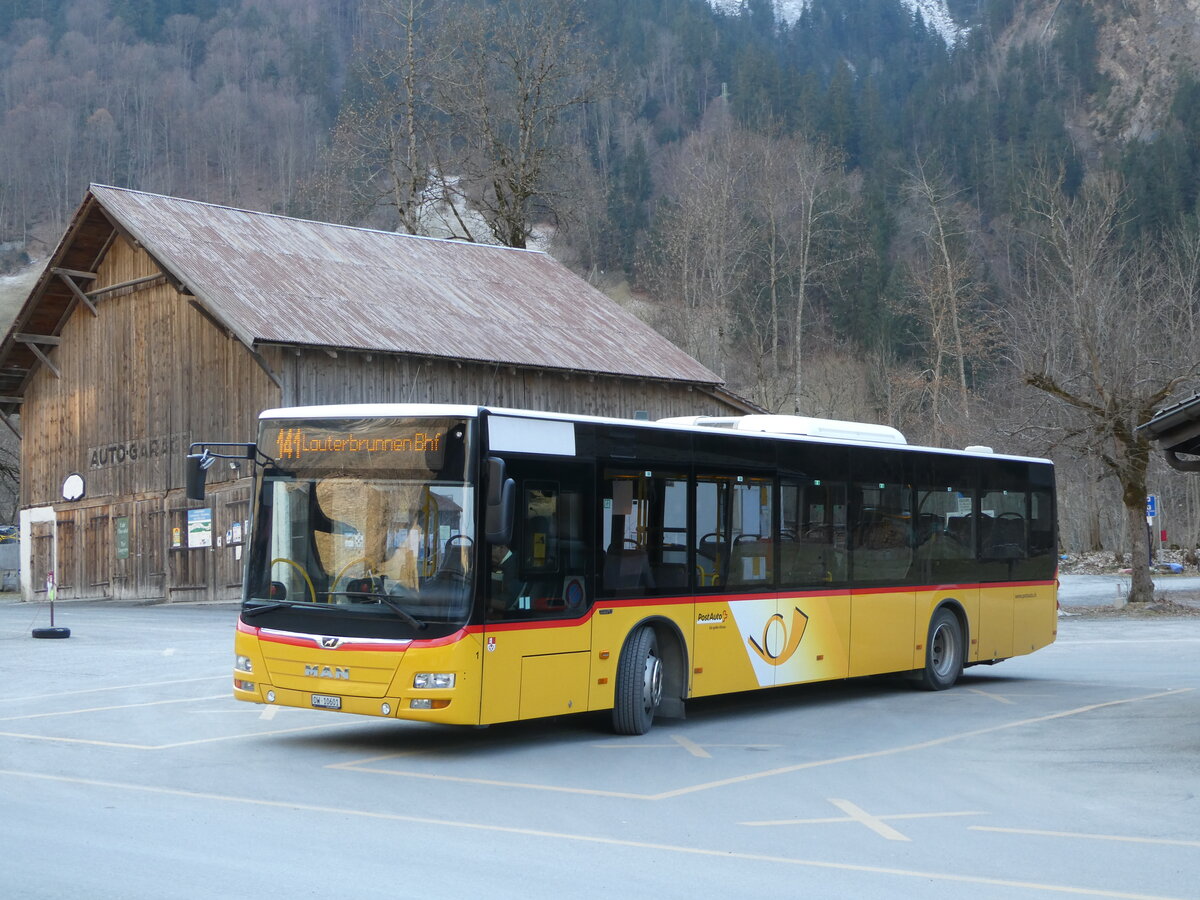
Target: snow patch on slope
(934,12)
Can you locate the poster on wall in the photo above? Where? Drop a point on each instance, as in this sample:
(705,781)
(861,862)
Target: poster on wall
(122,529)
(199,528)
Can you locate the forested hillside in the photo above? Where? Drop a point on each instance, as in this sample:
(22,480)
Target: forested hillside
(840,213)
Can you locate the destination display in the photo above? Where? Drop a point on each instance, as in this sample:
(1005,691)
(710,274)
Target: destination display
(363,444)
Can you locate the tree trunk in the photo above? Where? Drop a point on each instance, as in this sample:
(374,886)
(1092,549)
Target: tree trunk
(1141,587)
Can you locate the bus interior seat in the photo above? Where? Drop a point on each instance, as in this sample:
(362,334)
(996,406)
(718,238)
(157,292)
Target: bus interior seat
(712,559)
(627,568)
(670,575)
(751,563)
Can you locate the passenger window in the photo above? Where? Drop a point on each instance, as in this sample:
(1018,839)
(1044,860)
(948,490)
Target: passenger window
(812,537)
(945,532)
(1003,525)
(644,522)
(883,535)
(734,531)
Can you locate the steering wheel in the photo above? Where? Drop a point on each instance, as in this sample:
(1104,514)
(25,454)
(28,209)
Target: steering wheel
(312,591)
(368,575)
(1011,515)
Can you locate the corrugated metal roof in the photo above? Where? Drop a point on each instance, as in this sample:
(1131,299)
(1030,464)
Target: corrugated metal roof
(277,280)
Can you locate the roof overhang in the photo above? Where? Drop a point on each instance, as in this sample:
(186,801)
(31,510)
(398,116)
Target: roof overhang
(1176,430)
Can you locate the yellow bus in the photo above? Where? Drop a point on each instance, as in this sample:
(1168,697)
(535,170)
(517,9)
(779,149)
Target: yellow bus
(469,565)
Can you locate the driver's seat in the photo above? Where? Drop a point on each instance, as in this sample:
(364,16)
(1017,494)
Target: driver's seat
(360,589)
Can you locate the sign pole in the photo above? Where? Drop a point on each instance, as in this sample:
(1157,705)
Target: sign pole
(53,631)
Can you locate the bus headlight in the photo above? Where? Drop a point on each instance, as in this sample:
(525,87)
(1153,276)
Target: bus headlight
(243,664)
(433,680)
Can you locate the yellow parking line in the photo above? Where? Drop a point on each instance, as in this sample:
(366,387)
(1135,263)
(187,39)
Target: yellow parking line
(598,839)
(1169,842)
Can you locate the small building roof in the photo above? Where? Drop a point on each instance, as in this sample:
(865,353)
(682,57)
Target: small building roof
(271,279)
(1176,429)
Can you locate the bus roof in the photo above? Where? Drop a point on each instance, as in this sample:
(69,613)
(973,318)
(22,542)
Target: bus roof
(801,429)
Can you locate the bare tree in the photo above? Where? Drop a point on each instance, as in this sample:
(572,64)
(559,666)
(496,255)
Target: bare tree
(699,258)
(1097,329)
(383,150)
(946,298)
(516,71)
(801,201)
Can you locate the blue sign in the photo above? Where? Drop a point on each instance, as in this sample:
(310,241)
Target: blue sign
(1151,506)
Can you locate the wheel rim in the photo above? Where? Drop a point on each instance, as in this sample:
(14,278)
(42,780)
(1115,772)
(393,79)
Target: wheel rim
(942,651)
(652,683)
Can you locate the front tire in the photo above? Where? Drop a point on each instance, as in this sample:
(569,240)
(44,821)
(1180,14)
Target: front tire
(943,652)
(639,684)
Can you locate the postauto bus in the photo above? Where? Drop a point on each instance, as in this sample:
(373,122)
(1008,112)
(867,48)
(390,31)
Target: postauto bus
(470,565)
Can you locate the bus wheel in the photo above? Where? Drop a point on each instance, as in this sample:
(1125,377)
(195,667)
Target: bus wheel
(639,684)
(943,652)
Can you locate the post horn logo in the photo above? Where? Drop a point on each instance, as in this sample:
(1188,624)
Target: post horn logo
(791,638)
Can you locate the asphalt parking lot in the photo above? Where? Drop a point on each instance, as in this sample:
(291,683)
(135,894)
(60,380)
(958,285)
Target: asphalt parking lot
(126,770)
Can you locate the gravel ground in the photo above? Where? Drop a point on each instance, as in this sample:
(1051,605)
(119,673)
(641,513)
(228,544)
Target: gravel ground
(1177,605)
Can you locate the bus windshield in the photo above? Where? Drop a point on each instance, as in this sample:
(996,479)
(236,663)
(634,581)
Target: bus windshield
(370,519)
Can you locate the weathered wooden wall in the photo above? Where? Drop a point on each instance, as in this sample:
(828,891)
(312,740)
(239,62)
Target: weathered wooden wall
(139,381)
(313,377)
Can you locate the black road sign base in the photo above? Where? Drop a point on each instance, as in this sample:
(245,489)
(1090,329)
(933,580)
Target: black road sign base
(52,632)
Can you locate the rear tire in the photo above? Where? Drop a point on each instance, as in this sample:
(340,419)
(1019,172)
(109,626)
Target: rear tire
(943,652)
(639,688)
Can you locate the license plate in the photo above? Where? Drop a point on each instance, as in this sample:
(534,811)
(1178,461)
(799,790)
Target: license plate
(324,701)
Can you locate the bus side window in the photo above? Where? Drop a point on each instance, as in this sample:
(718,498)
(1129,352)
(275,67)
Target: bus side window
(812,539)
(644,532)
(1002,525)
(752,551)
(883,531)
(945,532)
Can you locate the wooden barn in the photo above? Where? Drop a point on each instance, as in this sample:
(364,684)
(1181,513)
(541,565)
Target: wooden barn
(159,321)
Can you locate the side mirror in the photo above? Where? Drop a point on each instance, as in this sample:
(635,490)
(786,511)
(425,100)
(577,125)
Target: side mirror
(501,503)
(200,459)
(196,469)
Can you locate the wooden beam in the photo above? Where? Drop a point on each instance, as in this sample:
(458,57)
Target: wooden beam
(41,354)
(26,338)
(262,364)
(75,273)
(7,420)
(133,282)
(17,400)
(65,275)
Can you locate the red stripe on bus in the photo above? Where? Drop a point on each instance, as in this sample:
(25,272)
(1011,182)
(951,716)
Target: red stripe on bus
(631,603)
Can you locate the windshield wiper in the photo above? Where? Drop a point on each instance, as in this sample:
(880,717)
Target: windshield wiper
(387,601)
(251,611)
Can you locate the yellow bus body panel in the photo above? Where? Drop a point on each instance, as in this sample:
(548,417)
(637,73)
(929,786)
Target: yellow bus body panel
(374,677)
(613,621)
(534,669)
(765,641)
(513,671)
